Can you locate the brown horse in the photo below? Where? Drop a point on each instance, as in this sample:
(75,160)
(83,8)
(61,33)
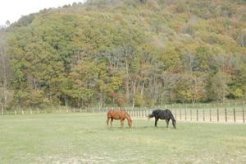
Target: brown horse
(119,115)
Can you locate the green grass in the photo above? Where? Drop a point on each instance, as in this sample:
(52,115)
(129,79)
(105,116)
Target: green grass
(85,138)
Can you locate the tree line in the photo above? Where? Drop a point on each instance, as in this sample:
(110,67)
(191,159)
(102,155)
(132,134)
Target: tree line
(138,53)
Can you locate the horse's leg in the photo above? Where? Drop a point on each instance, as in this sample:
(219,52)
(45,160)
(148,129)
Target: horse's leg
(129,123)
(107,120)
(167,121)
(156,120)
(122,123)
(111,122)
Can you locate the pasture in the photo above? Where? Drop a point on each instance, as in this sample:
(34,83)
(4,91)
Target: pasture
(85,138)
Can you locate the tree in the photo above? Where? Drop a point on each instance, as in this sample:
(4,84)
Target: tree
(217,87)
(4,71)
(127,52)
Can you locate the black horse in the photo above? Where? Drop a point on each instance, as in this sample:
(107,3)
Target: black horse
(163,115)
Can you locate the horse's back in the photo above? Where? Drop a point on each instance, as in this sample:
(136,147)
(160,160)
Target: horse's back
(162,114)
(116,114)
(156,112)
(165,114)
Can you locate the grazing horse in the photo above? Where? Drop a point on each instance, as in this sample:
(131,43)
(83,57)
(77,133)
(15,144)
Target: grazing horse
(119,115)
(163,115)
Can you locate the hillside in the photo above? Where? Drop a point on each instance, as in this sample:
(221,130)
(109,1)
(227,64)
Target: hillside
(125,52)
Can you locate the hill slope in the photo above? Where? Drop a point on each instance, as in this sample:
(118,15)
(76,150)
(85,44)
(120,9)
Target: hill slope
(130,52)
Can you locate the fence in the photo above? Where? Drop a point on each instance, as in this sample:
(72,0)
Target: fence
(200,115)
(189,113)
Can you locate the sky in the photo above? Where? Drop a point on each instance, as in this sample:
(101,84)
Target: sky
(12,10)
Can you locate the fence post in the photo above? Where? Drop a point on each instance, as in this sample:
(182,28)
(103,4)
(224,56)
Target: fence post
(180,113)
(243,116)
(203,114)
(218,117)
(185,113)
(210,115)
(197,117)
(190,114)
(225,115)
(2,110)
(234,114)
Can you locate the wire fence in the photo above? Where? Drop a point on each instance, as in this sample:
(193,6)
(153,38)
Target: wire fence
(182,112)
(200,115)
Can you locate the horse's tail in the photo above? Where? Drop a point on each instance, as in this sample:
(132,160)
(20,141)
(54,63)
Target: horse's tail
(108,115)
(173,120)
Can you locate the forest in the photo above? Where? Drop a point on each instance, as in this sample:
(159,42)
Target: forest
(125,53)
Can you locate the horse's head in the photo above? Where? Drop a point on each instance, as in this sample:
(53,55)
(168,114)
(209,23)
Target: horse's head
(150,116)
(130,123)
(129,119)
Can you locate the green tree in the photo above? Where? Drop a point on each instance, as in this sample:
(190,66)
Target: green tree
(217,88)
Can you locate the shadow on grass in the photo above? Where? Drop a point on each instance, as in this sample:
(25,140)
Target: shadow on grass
(140,127)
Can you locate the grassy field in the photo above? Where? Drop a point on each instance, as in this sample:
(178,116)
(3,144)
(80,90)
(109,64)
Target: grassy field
(85,138)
